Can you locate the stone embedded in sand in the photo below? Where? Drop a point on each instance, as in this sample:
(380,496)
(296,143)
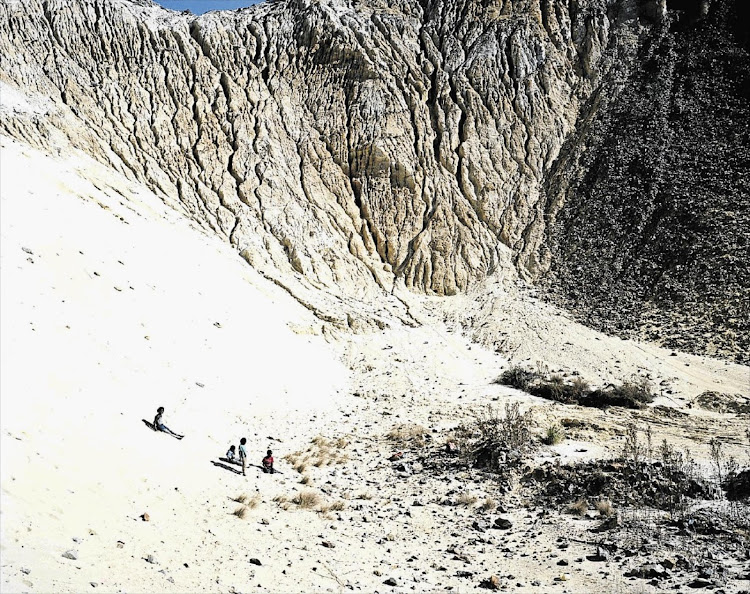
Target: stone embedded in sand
(391,582)
(70,555)
(502,524)
(145,517)
(491,583)
(151,559)
(255,561)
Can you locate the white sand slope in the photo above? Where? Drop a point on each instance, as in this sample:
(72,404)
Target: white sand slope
(112,304)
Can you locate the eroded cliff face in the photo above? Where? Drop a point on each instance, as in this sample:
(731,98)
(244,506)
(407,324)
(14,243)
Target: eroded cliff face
(355,144)
(344,148)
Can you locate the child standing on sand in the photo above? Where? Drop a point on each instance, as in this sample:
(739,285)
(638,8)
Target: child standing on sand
(243,454)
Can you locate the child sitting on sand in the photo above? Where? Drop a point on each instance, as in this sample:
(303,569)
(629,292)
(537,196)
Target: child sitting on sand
(268,462)
(231,453)
(160,426)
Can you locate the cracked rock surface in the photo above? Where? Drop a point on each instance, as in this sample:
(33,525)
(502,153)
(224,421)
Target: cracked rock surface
(347,148)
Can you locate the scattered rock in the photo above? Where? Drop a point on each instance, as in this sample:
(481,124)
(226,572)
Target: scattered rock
(648,571)
(151,559)
(70,555)
(600,555)
(255,561)
(145,517)
(491,583)
(700,583)
(502,524)
(25,570)
(328,545)
(391,582)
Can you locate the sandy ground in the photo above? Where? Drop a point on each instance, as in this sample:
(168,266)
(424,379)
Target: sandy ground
(112,305)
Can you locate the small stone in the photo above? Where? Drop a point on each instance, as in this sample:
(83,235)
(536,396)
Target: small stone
(120,544)
(70,555)
(491,583)
(391,582)
(145,517)
(255,561)
(700,583)
(563,562)
(377,572)
(151,559)
(93,584)
(502,524)
(25,570)
(328,545)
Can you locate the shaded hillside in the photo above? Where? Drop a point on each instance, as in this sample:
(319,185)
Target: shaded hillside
(654,234)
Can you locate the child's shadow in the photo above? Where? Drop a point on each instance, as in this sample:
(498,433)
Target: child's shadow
(225,467)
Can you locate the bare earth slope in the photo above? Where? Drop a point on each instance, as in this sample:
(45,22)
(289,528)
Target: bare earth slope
(137,308)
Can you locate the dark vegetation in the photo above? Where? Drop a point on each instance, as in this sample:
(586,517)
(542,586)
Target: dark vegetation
(628,394)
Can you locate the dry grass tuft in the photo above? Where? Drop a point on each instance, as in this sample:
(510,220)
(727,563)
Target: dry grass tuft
(605,508)
(240,512)
(342,459)
(307,499)
(488,504)
(305,480)
(337,506)
(320,441)
(579,508)
(280,499)
(241,498)
(408,434)
(365,495)
(253,502)
(341,443)
(466,499)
